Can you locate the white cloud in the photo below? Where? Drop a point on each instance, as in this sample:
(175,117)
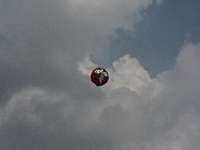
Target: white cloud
(128,73)
(184,78)
(87,66)
(154,109)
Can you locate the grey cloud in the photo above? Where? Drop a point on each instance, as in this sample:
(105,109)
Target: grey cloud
(48,103)
(43,42)
(106,119)
(41,46)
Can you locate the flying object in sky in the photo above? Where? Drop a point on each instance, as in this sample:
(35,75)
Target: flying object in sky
(99,76)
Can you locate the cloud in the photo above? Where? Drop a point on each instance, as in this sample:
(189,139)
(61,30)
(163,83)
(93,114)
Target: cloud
(49,102)
(104,16)
(128,73)
(110,118)
(43,42)
(180,98)
(154,109)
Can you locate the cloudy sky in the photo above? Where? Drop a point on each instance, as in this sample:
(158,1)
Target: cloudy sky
(151,49)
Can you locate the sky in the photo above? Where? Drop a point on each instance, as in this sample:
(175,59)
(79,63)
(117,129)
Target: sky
(151,49)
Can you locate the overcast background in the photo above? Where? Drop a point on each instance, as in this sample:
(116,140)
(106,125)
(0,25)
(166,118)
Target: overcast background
(151,48)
